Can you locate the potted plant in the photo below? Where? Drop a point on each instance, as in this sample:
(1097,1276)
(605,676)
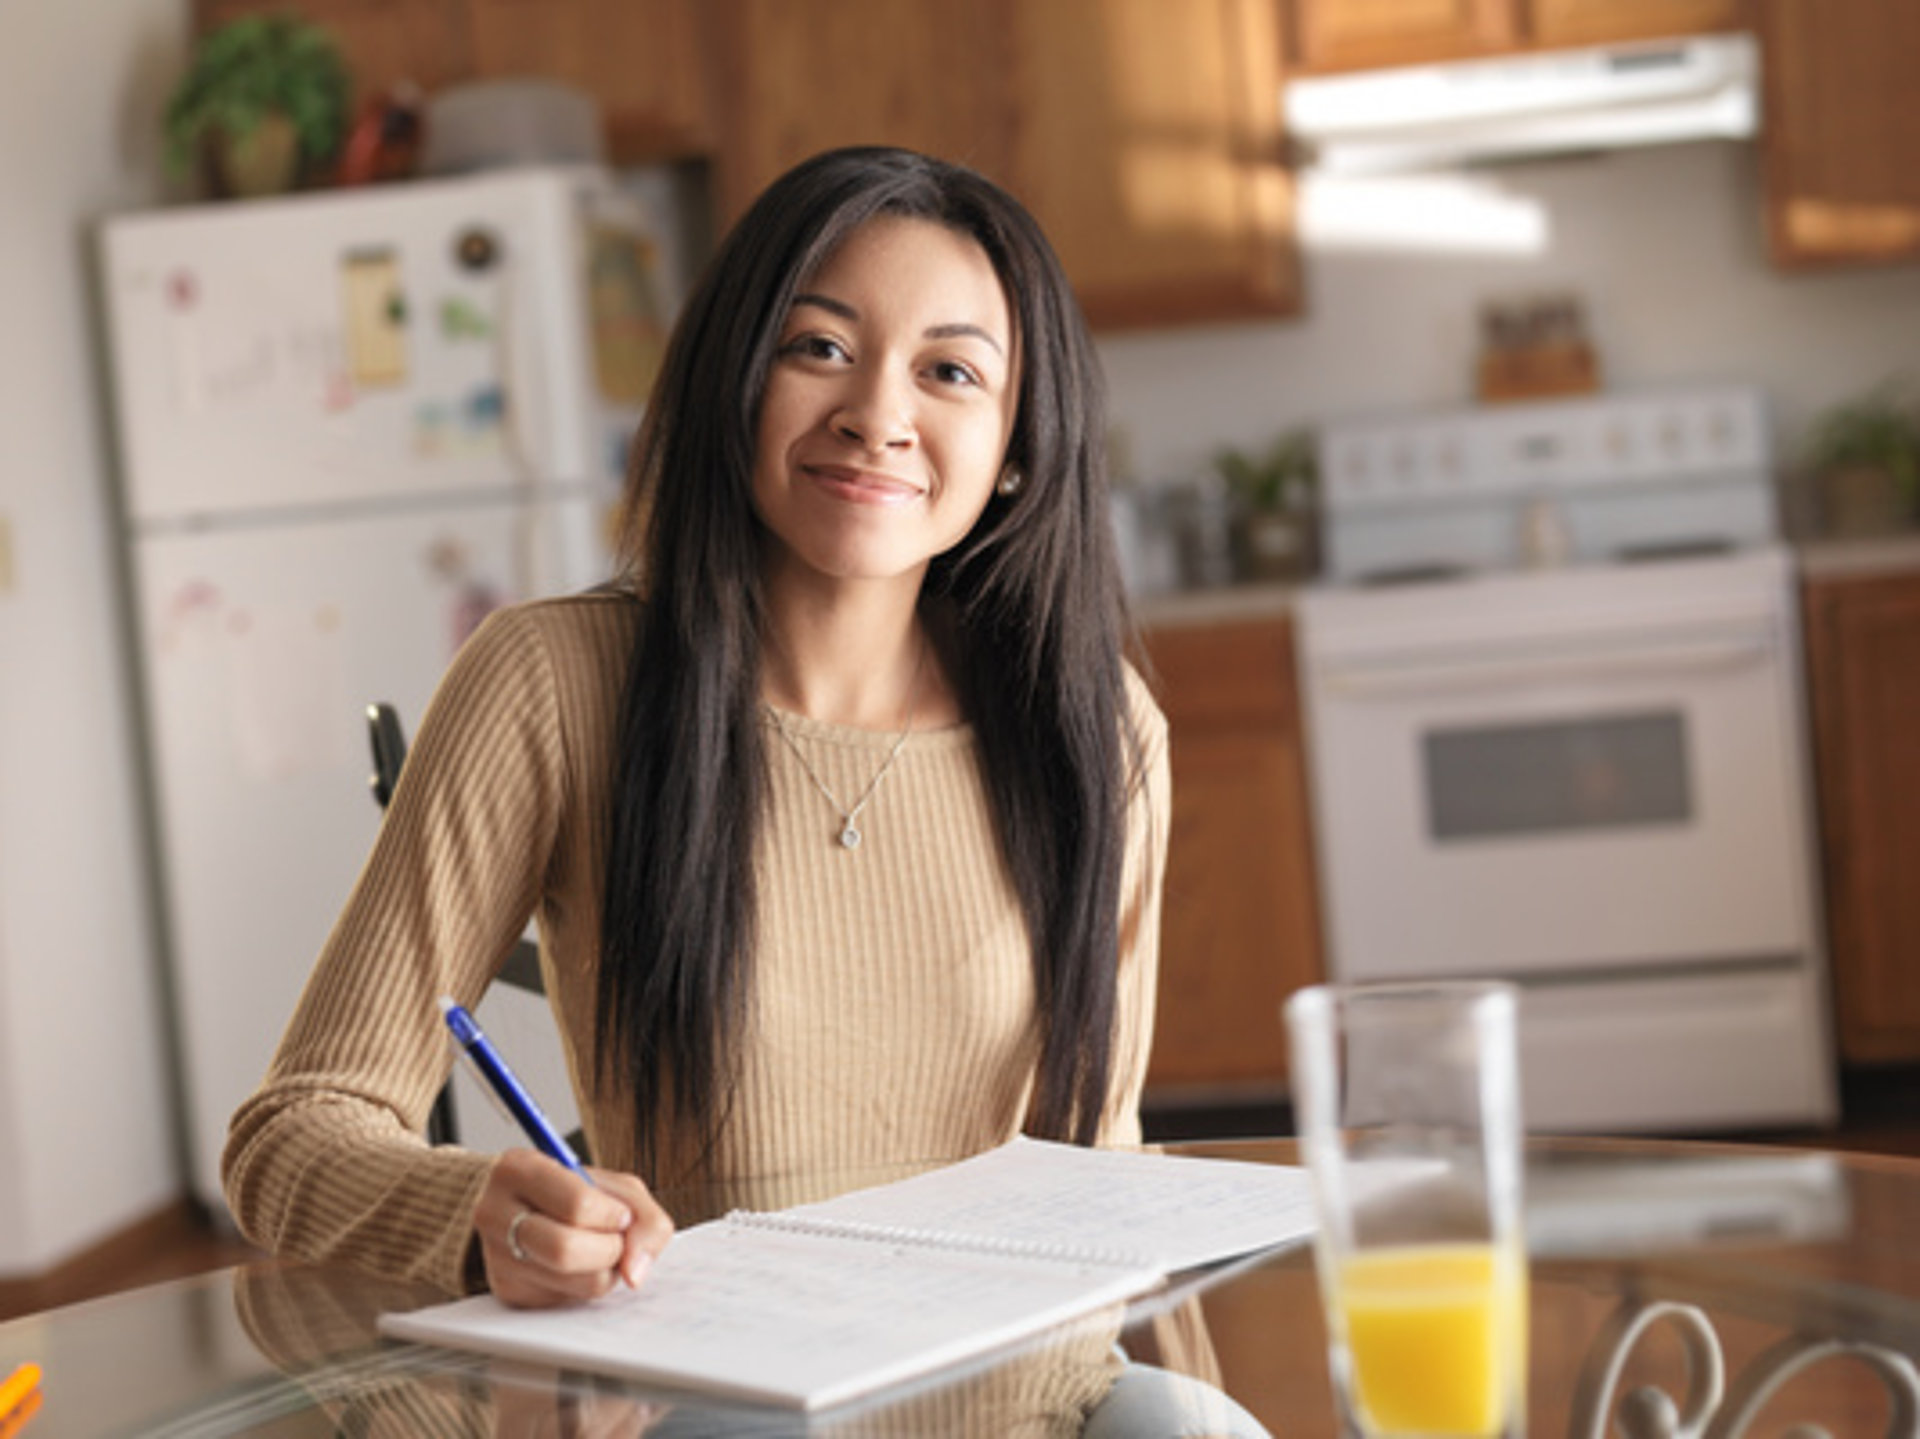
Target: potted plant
(1273,493)
(262,107)
(1865,457)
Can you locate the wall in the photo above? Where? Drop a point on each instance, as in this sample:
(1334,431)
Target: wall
(86,1142)
(1664,243)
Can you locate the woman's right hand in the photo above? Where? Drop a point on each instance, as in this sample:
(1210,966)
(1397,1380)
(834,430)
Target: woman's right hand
(547,1237)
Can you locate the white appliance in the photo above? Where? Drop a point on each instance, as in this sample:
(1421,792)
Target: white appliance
(1422,117)
(1580,764)
(350,425)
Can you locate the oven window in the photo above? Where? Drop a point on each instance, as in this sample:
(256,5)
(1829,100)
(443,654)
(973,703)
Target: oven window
(1489,781)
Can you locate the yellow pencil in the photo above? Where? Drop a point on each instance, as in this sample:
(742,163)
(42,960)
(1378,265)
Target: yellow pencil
(22,1382)
(17,1420)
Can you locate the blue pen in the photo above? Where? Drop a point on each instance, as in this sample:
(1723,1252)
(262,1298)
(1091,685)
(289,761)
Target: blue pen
(502,1081)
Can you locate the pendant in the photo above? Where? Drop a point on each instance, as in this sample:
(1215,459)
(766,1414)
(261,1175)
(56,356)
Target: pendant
(850,837)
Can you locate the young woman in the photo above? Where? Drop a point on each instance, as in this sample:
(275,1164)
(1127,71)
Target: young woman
(842,816)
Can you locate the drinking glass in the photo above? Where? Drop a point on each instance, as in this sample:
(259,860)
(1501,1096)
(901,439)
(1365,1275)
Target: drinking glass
(1406,1100)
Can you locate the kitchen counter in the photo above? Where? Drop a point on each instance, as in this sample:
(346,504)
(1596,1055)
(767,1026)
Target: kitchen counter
(1223,605)
(1878,554)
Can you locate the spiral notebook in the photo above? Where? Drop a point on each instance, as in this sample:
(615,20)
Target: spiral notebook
(817,1305)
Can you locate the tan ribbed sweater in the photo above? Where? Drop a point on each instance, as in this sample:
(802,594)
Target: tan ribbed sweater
(892,1019)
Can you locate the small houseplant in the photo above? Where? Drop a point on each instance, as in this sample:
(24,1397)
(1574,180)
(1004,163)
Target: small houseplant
(1273,492)
(1865,457)
(263,106)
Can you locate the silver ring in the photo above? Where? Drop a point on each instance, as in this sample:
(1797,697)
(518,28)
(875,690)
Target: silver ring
(513,1235)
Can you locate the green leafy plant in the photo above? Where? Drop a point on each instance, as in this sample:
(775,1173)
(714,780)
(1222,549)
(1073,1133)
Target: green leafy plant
(250,69)
(1281,477)
(1879,431)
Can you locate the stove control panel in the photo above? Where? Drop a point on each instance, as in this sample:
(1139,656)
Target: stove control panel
(1578,481)
(1523,450)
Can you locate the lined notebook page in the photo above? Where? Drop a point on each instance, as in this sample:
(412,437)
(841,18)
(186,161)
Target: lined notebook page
(1171,1211)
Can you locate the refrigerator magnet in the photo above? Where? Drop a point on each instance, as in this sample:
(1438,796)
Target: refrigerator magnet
(461,319)
(376,317)
(431,423)
(483,414)
(477,249)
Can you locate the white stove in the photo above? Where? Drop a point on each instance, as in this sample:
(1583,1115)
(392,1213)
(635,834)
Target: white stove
(1556,735)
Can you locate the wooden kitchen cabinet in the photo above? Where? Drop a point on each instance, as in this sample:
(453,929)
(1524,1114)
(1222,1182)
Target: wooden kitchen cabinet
(808,75)
(1842,129)
(646,61)
(1145,137)
(1372,34)
(1241,926)
(1550,24)
(385,42)
(1369,34)
(1863,665)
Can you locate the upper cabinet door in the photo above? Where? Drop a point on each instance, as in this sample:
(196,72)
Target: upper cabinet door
(1146,140)
(803,76)
(1363,34)
(1554,23)
(641,59)
(1842,129)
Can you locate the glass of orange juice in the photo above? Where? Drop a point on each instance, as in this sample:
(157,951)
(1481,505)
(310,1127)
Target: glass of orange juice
(1407,1102)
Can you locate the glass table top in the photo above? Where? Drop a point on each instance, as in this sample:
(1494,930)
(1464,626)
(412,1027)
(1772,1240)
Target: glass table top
(1657,1267)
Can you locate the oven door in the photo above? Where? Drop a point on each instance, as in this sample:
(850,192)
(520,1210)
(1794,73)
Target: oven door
(1577,803)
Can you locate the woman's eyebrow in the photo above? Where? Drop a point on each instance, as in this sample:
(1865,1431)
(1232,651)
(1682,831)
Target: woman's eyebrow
(962,327)
(932,332)
(832,306)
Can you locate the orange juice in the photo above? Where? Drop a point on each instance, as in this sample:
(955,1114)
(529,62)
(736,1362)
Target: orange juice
(1436,1336)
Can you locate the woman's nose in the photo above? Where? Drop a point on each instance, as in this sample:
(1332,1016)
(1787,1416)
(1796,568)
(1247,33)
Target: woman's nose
(875,415)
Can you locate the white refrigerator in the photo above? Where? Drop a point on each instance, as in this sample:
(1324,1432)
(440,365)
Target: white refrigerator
(349,424)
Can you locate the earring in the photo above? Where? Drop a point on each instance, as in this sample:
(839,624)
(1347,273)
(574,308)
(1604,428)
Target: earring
(1010,482)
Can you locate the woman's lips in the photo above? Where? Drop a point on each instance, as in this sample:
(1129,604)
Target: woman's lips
(865,487)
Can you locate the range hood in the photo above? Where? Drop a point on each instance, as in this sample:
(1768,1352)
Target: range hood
(1427,117)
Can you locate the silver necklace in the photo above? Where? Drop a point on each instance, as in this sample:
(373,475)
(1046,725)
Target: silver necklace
(849,835)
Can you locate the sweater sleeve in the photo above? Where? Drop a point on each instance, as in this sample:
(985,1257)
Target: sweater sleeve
(1149,805)
(326,1160)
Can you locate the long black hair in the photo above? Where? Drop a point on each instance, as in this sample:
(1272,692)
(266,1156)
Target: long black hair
(1030,605)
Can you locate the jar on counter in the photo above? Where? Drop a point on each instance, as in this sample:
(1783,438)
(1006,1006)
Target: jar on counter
(1143,535)
(1201,518)
(1278,545)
